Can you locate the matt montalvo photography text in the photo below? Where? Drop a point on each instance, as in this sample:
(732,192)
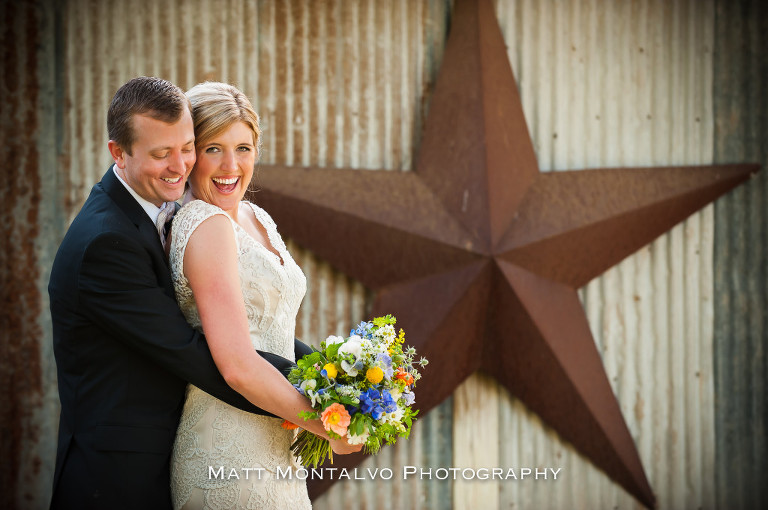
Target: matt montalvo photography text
(408,472)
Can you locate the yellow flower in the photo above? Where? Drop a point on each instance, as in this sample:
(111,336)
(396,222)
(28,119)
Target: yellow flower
(330,369)
(375,375)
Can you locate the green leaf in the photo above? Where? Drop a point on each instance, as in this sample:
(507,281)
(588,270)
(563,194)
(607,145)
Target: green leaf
(359,423)
(308,415)
(347,400)
(310,359)
(332,351)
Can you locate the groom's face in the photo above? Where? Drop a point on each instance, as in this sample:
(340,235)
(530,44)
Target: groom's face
(161,157)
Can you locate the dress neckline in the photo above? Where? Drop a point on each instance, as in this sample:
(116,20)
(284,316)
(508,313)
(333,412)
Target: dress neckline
(277,253)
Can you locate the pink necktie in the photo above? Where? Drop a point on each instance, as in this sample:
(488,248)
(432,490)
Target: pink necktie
(163,220)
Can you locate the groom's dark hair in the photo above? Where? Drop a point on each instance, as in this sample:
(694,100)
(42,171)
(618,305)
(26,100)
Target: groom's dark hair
(155,97)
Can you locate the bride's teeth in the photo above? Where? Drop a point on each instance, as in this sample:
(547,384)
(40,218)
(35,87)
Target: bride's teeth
(225,181)
(171,181)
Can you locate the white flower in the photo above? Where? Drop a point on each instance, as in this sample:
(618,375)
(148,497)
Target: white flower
(333,340)
(395,392)
(314,397)
(361,439)
(392,418)
(386,332)
(309,384)
(348,391)
(354,347)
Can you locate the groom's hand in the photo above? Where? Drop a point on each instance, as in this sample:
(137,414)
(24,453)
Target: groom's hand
(300,350)
(283,365)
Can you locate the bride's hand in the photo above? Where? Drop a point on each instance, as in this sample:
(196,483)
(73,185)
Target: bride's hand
(342,447)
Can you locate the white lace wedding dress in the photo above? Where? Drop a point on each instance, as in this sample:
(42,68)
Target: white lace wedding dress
(213,434)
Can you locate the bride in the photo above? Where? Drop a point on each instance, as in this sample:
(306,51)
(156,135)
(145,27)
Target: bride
(235,279)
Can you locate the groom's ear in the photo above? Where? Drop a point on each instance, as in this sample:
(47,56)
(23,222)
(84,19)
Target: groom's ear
(117,152)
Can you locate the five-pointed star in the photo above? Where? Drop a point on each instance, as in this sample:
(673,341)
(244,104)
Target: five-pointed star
(479,255)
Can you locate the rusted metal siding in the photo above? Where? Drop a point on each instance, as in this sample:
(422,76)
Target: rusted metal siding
(347,83)
(618,84)
(20,334)
(28,411)
(336,83)
(740,260)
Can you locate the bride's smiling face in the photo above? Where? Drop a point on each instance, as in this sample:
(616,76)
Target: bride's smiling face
(224,167)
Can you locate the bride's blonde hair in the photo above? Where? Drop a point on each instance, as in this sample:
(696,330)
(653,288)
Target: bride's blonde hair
(216,106)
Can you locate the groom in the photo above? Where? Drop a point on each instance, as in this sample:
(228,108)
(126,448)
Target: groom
(124,351)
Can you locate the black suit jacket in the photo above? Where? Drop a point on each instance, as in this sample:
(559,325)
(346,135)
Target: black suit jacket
(124,354)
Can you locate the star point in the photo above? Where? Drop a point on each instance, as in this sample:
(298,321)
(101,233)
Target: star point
(480,256)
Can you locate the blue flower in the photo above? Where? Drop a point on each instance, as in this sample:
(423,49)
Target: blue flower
(363,329)
(374,403)
(409,398)
(386,364)
(390,405)
(366,403)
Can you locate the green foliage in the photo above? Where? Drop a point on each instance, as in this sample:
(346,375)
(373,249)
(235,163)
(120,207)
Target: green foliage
(357,424)
(332,351)
(309,415)
(310,359)
(383,321)
(347,401)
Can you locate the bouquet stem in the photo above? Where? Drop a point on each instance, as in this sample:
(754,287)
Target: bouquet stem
(311,449)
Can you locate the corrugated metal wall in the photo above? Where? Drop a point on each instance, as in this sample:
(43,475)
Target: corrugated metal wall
(347,83)
(609,84)
(331,90)
(741,258)
(29,235)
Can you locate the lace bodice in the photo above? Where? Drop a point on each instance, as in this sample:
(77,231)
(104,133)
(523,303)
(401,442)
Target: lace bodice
(272,286)
(212,433)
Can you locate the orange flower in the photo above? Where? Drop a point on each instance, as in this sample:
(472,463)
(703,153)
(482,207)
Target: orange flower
(404,376)
(335,418)
(288,425)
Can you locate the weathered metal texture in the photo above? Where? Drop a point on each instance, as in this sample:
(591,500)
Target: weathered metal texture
(741,258)
(615,84)
(346,84)
(28,233)
(336,83)
(490,306)
(20,300)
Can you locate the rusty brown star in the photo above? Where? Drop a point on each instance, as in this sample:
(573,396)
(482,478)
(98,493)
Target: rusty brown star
(479,255)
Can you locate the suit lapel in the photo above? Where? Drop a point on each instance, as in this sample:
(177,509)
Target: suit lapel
(147,230)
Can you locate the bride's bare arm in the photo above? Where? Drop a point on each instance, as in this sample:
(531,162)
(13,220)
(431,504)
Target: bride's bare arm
(210,265)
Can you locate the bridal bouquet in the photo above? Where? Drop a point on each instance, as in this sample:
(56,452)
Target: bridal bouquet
(361,387)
